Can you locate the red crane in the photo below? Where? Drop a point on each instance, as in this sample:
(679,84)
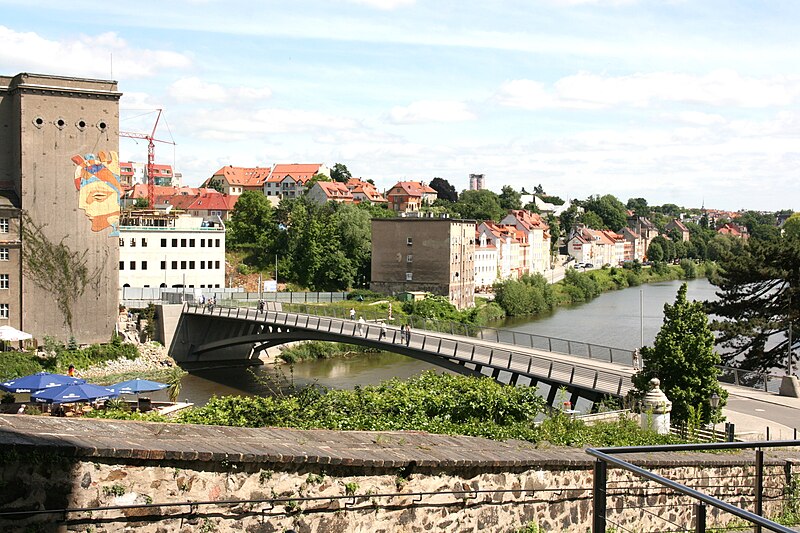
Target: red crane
(151,157)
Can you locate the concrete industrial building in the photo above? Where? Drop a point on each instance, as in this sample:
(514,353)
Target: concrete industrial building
(161,249)
(59,139)
(435,255)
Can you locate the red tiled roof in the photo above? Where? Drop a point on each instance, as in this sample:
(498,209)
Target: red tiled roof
(300,172)
(411,188)
(244,176)
(334,189)
(529,220)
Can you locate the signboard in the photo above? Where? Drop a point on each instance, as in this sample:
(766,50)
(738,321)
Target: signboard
(270,285)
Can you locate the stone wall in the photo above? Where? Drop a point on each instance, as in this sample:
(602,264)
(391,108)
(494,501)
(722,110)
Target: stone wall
(320,481)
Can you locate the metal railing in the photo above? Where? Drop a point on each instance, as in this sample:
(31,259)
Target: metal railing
(626,491)
(448,348)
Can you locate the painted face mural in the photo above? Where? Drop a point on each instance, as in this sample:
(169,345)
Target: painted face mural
(97,180)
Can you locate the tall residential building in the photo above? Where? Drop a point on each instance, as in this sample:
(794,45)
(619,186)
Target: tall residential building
(165,249)
(59,165)
(476,182)
(433,255)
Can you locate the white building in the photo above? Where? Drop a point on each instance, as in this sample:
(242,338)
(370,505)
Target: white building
(162,249)
(537,237)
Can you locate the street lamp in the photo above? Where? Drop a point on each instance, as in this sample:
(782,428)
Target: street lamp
(714,401)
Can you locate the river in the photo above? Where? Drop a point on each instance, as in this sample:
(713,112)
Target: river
(612,319)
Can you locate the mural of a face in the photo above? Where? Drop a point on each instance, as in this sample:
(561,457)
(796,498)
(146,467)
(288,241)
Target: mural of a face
(97,180)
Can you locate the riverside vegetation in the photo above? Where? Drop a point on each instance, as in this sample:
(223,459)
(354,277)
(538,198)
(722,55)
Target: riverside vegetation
(436,403)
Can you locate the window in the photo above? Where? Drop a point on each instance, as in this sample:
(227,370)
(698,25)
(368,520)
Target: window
(133,243)
(121,241)
(216,264)
(144,265)
(122,265)
(191,243)
(144,242)
(3,254)
(409,276)
(174,265)
(217,243)
(191,265)
(202,243)
(409,258)
(174,243)
(163,243)
(409,241)
(202,265)
(133,265)
(3,310)
(3,281)
(183,243)
(163,265)
(3,225)
(183,265)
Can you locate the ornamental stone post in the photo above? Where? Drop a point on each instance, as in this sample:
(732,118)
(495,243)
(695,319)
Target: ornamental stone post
(655,409)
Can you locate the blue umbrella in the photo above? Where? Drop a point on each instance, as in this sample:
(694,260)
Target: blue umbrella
(135,386)
(36,382)
(79,392)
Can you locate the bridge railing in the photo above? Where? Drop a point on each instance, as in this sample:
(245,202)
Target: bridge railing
(508,360)
(502,336)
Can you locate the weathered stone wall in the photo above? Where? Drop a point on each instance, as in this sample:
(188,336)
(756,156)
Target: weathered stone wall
(321,481)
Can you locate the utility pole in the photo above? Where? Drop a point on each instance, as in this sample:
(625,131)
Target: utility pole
(641,315)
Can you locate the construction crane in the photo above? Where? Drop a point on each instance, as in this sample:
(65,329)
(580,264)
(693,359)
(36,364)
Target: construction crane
(151,157)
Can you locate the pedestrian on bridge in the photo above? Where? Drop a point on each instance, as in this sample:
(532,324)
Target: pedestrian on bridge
(361,325)
(637,359)
(408,335)
(402,332)
(352,313)
(383,331)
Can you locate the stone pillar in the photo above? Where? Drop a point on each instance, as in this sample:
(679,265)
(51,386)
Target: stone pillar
(655,409)
(790,386)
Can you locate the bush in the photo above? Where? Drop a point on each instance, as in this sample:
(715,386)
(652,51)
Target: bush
(530,295)
(365,294)
(16,364)
(689,269)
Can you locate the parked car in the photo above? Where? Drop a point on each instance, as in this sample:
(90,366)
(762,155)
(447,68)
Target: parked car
(588,265)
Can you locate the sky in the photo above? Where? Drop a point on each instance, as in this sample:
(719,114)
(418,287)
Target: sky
(691,102)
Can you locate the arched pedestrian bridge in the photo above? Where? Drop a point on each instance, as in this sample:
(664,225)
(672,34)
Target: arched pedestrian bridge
(240,334)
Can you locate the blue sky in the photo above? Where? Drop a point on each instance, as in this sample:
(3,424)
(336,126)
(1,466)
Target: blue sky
(674,101)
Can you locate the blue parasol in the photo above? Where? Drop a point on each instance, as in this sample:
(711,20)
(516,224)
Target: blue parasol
(37,382)
(79,392)
(135,386)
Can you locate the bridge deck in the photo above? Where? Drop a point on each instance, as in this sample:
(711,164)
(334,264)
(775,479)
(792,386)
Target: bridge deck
(596,378)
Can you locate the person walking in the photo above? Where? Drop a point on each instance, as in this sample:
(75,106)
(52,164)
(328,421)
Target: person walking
(402,332)
(352,313)
(361,325)
(637,360)
(408,335)
(383,331)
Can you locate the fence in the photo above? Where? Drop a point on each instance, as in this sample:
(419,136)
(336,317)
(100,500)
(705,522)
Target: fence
(666,505)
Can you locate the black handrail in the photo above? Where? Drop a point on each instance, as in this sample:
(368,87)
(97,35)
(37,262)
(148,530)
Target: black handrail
(605,457)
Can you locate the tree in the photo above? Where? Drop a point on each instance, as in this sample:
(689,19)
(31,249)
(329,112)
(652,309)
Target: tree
(638,206)
(251,222)
(592,220)
(141,203)
(509,198)
(613,213)
(759,296)
(791,228)
(315,178)
(655,252)
(479,205)
(340,173)
(444,191)
(216,185)
(683,358)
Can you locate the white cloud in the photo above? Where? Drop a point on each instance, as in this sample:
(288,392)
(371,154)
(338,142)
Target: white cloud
(104,55)
(245,124)
(425,111)
(720,88)
(193,89)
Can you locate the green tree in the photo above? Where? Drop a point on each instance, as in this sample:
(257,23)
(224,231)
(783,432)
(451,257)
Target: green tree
(683,358)
(759,296)
(141,203)
(510,198)
(315,178)
(638,206)
(655,252)
(613,212)
(340,173)
(216,185)
(444,191)
(479,205)
(791,228)
(592,220)
(251,222)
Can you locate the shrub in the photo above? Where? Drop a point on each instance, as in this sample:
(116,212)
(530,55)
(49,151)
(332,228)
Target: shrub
(689,269)
(365,294)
